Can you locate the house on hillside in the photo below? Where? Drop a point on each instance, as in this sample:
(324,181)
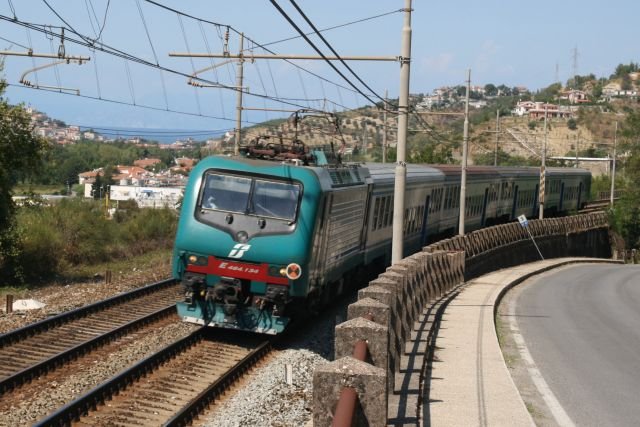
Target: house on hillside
(183,164)
(611,89)
(89,177)
(574,96)
(537,110)
(146,163)
(122,174)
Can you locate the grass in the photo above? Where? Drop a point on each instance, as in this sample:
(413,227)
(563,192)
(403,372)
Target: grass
(156,261)
(24,189)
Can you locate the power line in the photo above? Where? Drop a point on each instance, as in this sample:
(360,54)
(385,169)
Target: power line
(334,27)
(17,44)
(247,38)
(116,52)
(304,16)
(148,107)
(304,36)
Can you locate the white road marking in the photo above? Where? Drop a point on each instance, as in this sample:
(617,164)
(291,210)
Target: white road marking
(558,412)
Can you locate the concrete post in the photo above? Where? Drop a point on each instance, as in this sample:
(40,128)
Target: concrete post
(369,381)
(376,336)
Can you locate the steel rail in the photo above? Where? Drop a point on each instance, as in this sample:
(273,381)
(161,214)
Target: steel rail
(62,318)
(73,411)
(189,412)
(59,359)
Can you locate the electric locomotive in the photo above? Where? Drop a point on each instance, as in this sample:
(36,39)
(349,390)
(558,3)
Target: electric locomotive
(245,239)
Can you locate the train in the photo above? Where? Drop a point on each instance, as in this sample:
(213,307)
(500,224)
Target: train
(261,242)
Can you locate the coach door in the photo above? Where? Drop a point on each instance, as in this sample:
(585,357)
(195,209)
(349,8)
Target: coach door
(515,202)
(425,217)
(484,207)
(535,201)
(561,197)
(579,197)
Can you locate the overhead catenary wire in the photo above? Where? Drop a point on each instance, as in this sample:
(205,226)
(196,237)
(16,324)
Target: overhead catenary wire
(215,70)
(318,51)
(86,41)
(193,67)
(238,32)
(116,52)
(138,105)
(107,49)
(319,34)
(16,43)
(334,27)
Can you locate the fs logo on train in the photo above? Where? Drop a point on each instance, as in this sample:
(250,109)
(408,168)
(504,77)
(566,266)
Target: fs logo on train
(238,250)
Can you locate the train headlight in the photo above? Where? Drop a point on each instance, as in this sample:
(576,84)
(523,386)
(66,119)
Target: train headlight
(294,271)
(197,260)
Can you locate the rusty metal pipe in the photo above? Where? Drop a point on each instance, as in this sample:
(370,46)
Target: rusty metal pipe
(360,350)
(346,408)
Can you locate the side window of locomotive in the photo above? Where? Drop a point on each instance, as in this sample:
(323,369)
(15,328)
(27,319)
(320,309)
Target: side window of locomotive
(275,199)
(226,193)
(376,213)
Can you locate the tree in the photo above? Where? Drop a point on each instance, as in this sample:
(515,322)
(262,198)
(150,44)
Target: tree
(625,218)
(490,89)
(572,124)
(20,154)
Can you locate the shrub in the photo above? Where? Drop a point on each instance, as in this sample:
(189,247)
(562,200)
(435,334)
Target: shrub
(76,232)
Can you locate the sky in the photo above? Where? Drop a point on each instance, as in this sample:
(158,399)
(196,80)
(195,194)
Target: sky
(515,43)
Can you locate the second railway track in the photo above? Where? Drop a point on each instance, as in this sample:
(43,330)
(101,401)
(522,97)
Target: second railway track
(38,348)
(170,387)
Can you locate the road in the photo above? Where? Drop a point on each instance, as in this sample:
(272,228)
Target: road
(581,326)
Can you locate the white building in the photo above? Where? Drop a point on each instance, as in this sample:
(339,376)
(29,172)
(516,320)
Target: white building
(148,197)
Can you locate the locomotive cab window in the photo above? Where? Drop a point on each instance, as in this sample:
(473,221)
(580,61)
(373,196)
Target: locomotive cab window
(250,196)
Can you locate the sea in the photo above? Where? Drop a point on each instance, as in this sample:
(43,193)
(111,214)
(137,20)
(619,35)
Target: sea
(162,136)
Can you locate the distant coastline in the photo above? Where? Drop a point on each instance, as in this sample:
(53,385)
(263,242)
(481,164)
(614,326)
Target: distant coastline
(162,136)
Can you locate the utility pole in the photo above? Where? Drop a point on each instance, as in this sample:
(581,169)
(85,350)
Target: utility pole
(543,171)
(577,150)
(613,165)
(495,157)
(384,127)
(239,77)
(403,122)
(364,139)
(465,152)
(241,57)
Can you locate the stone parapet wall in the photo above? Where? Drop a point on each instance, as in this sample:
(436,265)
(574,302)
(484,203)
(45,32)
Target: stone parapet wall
(397,298)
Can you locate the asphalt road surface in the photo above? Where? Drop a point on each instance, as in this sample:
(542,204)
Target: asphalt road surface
(582,328)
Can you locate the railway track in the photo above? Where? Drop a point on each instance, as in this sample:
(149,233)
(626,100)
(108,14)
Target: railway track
(36,349)
(596,206)
(170,387)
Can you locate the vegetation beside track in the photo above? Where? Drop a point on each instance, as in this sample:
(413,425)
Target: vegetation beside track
(74,240)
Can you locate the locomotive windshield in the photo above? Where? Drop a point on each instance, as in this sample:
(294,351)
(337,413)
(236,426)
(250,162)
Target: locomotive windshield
(252,196)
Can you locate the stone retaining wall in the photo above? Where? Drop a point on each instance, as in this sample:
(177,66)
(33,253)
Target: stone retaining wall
(398,296)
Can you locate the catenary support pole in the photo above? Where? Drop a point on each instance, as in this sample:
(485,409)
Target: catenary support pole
(239,77)
(543,167)
(384,127)
(495,157)
(403,121)
(613,165)
(465,153)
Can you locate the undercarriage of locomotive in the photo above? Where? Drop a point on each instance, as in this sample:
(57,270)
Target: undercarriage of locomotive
(229,303)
